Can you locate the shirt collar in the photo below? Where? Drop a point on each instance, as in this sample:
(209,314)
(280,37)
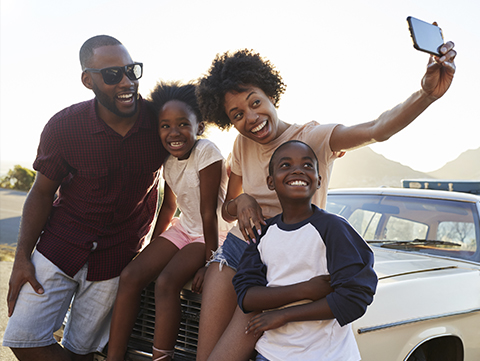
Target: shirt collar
(97,125)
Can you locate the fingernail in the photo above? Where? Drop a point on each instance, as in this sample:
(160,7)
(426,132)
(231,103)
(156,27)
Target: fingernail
(259,232)
(444,50)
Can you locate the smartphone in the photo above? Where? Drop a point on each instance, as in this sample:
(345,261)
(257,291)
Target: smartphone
(426,37)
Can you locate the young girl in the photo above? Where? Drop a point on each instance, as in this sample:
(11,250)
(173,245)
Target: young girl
(243,90)
(195,181)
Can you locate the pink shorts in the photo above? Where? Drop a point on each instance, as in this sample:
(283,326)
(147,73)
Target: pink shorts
(178,236)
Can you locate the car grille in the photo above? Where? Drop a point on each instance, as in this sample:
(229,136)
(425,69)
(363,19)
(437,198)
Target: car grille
(142,335)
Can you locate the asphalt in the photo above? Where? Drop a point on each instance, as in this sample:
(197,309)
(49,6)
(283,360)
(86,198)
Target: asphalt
(11,205)
(5,269)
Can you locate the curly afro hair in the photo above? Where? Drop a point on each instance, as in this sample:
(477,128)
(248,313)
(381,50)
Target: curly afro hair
(167,91)
(233,72)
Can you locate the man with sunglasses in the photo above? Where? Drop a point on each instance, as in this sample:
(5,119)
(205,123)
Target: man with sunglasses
(101,158)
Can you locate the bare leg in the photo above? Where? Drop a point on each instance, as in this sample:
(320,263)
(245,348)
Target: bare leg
(179,271)
(218,304)
(53,352)
(235,345)
(134,278)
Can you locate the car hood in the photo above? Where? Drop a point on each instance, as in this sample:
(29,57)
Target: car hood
(393,263)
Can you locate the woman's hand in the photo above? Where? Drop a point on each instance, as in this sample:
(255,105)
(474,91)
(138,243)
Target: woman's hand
(249,213)
(440,72)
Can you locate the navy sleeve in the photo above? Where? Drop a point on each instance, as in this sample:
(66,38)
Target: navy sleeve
(350,264)
(251,272)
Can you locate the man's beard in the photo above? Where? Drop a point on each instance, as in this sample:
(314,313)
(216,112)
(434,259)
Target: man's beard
(109,103)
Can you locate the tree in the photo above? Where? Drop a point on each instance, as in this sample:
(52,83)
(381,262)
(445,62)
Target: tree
(18,178)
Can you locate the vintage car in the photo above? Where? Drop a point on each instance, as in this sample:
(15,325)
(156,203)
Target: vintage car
(427,257)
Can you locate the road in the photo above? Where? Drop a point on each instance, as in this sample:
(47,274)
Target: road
(5,269)
(11,205)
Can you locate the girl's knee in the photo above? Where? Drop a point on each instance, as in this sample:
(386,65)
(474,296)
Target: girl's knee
(132,279)
(165,285)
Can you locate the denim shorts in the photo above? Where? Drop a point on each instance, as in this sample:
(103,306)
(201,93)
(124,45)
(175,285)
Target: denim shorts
(36,317)
(260,358)
(230,252)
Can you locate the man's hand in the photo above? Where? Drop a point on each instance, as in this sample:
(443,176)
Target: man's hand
(22,272)
(440,72)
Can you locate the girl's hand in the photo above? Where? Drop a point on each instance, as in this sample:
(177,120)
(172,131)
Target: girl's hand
(440,71)
(248,213)
(197,283)
(265,321)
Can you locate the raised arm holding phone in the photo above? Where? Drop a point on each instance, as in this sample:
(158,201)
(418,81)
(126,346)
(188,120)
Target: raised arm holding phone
(243,90)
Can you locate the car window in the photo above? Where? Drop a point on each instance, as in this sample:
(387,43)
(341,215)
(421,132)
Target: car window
(435,226)
(462,233)
(398,229)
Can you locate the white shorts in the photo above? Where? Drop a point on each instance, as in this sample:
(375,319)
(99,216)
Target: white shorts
(36,317)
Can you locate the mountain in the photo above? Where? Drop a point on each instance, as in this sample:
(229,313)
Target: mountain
(466,166)
(364,168)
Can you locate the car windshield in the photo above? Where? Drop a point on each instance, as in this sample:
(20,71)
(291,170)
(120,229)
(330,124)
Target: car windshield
(435,226)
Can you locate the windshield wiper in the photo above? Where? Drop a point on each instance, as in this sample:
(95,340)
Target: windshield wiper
(416,242)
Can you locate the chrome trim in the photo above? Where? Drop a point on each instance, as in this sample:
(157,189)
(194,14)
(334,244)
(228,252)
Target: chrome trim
(417,271)
(414,320)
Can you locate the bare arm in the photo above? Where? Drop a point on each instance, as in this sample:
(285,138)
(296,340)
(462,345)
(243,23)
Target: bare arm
(167,211)
(36,211)
(259,298)
(435,83)
(210,179)
(242,207)
(234,189)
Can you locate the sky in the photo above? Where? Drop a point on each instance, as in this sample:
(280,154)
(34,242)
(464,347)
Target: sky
(343,62)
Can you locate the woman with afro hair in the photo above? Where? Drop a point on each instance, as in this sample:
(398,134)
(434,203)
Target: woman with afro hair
(242,90)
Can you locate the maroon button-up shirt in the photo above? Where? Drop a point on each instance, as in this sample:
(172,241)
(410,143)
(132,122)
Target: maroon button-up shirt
(108,194)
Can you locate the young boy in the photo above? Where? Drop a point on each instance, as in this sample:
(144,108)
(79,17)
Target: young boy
(279,271)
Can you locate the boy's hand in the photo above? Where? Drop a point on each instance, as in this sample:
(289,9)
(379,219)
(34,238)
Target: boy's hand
(197,283)
(248,212)
(319,287)
(265,321)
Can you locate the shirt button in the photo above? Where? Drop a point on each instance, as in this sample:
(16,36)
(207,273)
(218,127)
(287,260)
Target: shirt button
(94,246)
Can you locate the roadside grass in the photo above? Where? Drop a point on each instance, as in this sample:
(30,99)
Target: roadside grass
(7,252)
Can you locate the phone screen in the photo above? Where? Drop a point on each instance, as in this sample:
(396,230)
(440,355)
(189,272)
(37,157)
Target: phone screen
(426,37)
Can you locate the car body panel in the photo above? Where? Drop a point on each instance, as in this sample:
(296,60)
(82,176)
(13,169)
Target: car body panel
(420,296)
(428,295)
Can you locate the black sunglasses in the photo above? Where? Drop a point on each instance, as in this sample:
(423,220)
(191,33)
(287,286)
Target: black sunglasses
(114,74)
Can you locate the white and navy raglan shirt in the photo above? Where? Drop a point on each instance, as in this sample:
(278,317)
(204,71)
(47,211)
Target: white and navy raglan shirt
(286,254)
